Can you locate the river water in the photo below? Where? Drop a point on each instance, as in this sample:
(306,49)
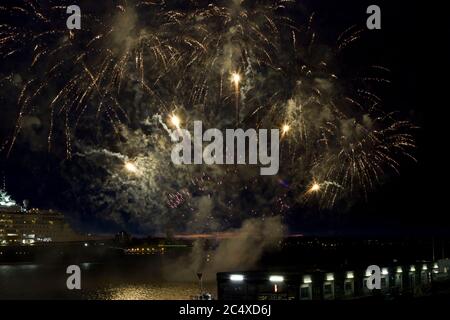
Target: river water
(99,281)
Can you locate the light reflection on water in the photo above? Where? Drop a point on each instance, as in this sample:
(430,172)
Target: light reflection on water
(166,291)
(99,282)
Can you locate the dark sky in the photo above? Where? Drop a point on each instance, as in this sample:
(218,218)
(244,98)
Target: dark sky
(412,44)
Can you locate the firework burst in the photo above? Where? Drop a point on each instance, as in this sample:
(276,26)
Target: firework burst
(223,63)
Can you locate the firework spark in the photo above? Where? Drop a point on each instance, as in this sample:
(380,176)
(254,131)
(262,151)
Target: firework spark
(175,121)
(314,188)
(131,167)
(285,129)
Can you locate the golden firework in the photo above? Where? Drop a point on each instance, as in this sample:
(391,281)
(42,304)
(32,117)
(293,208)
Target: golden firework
(175,121)
(131,167)
(315,187)
(236,78)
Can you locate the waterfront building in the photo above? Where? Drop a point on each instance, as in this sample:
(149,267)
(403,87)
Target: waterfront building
(396,280)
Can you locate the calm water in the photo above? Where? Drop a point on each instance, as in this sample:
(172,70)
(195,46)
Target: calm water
(99,281)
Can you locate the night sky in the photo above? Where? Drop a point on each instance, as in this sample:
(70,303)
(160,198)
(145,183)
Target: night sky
(410,44)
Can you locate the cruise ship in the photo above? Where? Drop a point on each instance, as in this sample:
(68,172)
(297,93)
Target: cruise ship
(29,235)
(20,225)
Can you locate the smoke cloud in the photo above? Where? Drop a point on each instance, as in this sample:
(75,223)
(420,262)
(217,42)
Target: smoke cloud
(242,251)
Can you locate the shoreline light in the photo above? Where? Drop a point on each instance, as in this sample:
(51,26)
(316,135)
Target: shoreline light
(237,277)
(276,279)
